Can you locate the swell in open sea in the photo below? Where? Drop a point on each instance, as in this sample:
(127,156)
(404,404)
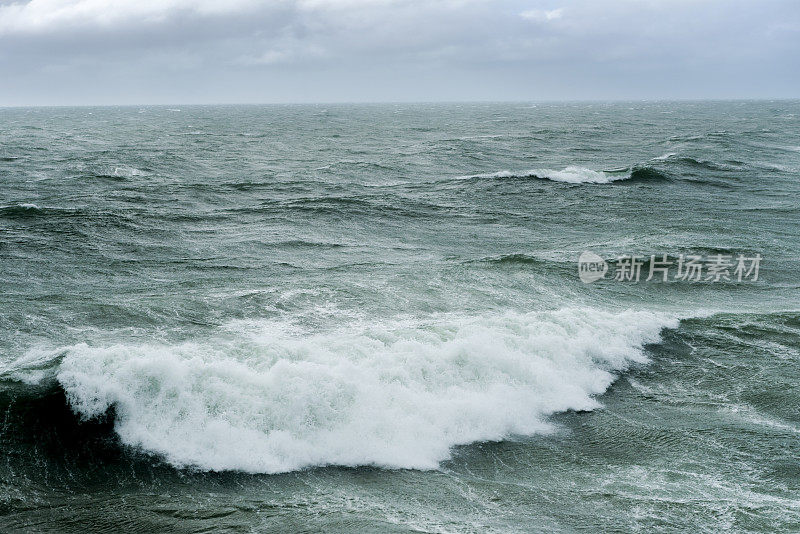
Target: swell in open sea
(370,318)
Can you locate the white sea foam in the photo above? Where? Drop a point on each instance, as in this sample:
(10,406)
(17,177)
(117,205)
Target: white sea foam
(34,367)
(580,175)
(571,174)
(262,397)
(665,157)
(128,172)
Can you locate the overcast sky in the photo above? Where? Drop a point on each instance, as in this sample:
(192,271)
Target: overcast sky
(232,51)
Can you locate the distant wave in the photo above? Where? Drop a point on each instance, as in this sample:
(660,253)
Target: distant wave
(20,210)
(572,175)
(513,259)
(25,210)
(664,167)
(261,397)
(128,172)
(578,175)
(522,260)
(647,173)
(674,158)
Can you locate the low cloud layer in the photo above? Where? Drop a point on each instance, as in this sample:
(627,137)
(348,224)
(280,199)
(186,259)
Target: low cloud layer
(183,51)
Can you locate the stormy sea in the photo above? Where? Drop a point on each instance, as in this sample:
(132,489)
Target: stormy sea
(371,318)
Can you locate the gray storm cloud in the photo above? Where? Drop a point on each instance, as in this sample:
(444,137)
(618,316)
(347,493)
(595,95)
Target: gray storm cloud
(147,51)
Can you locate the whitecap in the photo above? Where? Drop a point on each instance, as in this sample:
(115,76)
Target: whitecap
(572,174)
(265,397)
(128,172)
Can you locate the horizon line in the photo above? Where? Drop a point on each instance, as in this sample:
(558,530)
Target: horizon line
(412,102)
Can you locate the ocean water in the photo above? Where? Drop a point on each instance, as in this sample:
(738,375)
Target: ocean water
(368,318)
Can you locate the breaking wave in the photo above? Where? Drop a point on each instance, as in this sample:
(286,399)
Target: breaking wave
(264,397)
(20,210)
(579,175)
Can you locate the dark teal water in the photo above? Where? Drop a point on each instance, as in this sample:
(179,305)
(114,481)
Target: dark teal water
(369,318)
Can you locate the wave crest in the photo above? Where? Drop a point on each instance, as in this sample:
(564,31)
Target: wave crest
(262,398)
(571,175)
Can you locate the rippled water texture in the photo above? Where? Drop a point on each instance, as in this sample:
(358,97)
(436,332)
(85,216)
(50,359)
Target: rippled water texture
(369,318)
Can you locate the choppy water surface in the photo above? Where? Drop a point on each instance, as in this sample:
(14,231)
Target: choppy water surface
(361,318)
